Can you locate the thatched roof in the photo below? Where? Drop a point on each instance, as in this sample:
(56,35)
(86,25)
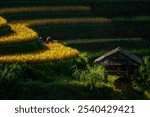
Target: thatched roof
(121,51)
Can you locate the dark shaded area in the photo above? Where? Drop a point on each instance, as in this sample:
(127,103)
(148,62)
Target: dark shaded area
(46,15)
(107,8)
(116,29)
(132,45)
(42,81)
(41,91)
(100,7)
(22,47)
(5,30)
(123,8)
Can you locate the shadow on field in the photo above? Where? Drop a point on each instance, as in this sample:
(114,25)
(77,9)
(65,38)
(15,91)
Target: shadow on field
(41,91)
(141,48)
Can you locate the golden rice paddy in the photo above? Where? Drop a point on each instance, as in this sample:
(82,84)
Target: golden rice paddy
(2,21)
(51,52)
(21,34)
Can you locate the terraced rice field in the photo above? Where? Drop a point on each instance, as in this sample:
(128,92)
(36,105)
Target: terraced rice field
(66,21)
(91,26)
(20,34)
(13,47)
(51,52)
(51,9)
(80,20)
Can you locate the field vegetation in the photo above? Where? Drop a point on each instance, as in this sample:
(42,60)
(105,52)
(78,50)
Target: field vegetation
(17,48)
(21,34)
(23,46)
(4,28)
(50,52)
(47,9)
(2,21)
(31,70)
(47,78)
(68,21)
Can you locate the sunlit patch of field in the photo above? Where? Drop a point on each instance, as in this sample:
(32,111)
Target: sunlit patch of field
(21,34)
(51,52)
(2,21)
(55,21)
(50,9)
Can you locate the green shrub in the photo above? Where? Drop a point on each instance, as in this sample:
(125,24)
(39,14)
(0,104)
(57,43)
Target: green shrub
(19,72)
(95,74)
(79,67)
(10,76)
(143,78)
(30,73)
(82,61)
(11,73)
(89,75)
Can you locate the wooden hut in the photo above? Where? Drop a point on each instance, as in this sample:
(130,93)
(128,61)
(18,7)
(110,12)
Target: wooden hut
(119,62)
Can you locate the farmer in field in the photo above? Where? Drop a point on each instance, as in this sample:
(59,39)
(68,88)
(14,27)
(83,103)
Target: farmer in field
(48,39)
(41,40)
